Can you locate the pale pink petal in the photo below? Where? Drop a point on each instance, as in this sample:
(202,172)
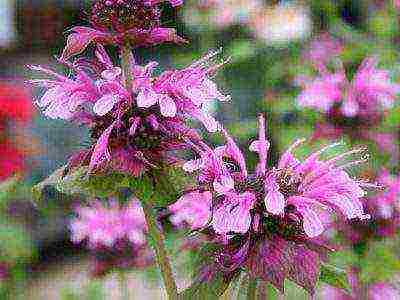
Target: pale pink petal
(147,97)
(275,202)
(79,40)
(167,106)
(134,126)
(105,104)
(193,165)
(112,73)
(224,184)
(100,151)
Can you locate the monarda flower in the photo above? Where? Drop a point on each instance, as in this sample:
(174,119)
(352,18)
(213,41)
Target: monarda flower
(132,130)
(352,108)
(384,208)
(272,220)
(115,234)
(119,21)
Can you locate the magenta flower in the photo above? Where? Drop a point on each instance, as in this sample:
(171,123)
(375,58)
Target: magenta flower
(192,209)
(136,130)
(114,234)
(269,220)
(321,93)
(117,21)
(322,50)
(353,108)
(64,96)
(105,225)
(371,90)
(313,187)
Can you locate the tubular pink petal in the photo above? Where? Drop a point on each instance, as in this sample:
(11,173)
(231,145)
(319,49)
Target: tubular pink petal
(100,151)
(167,106)
(147,97)
(105,104)
(275,202)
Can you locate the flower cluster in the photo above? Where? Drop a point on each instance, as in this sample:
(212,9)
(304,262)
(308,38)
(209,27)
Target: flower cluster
(133,130)
(117,22)
(268,219)
(115,234)
(350,107)
(384,208)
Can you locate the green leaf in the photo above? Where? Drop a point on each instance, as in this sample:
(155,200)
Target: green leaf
(212,288)
(52,180)
(206,290)
(334,276)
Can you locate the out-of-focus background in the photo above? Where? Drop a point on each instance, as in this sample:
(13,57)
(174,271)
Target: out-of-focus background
(265,41)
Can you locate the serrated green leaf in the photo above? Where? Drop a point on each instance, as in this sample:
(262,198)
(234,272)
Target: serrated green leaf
(334,276)
(206,290)
(211,289)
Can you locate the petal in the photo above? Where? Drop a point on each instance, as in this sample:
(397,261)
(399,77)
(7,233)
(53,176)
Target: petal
(50,96)
(102,56)
(79,40)
(312,224)
(167,106)
(193,165)
(152,120)
(208,121)
(105,104)
(100,151)
(134,126)
(112,73)
(275,202)
(147,97)
(224,184)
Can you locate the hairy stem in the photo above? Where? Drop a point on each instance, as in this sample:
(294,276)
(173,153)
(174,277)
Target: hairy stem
(252,290)
(127,65)
(161,252)
(154,230)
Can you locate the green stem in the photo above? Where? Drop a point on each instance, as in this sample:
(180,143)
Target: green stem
(161,252)
(154,230)
(123,285)
(127,66)
(252,290)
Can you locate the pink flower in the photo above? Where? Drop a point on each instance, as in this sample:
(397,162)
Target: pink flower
(105,225)
(135,130)
(371,88)
(370,91)
(322,92)
(396,3)
(308,191)
(192,208)
(116,21)
(323,49)
(64,96)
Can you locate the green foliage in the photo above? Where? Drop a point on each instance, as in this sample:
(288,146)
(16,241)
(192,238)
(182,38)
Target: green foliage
(210,289)
(334,276)
(381,262)
(161,185)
